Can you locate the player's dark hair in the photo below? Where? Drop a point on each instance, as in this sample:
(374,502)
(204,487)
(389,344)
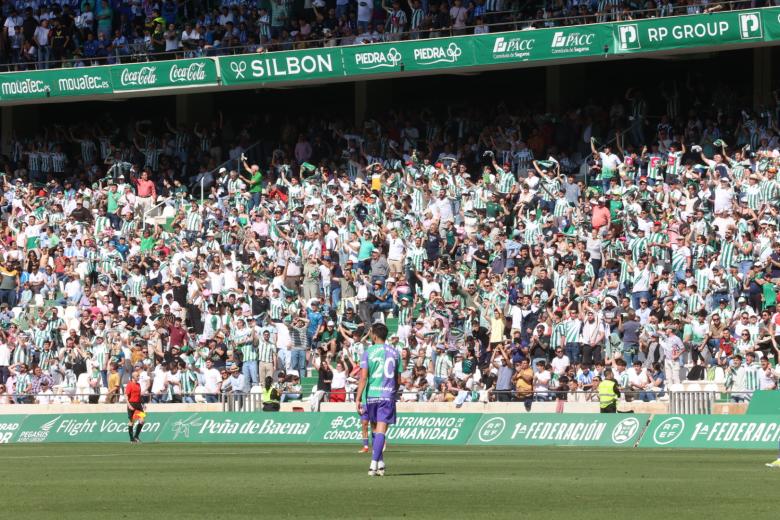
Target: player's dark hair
(379,330)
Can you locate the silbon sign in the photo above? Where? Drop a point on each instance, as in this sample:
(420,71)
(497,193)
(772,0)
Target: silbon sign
(281,66)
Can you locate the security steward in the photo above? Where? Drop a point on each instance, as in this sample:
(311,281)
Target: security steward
(270,396)
(608,393)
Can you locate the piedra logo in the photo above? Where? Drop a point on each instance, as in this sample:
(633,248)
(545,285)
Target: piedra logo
(39,435)
(193,72)
(378,59)
(439,54)
(143,77)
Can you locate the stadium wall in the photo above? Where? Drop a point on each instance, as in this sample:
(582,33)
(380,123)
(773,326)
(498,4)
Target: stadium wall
(529,429)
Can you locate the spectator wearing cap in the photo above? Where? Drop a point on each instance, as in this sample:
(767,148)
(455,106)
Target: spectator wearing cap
(236,385)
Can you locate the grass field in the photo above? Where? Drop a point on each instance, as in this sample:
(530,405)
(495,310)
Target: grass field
(256,481)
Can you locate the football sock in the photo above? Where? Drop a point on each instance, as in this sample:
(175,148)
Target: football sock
(138,429)
(365,442)
(379,443)
(130,431)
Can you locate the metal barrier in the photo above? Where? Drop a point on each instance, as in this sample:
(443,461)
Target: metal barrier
(695,402)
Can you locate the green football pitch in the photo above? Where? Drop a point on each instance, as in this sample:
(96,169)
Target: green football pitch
(84,481)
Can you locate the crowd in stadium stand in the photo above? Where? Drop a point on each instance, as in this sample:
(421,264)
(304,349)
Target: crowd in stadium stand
(85,32)
(513,255)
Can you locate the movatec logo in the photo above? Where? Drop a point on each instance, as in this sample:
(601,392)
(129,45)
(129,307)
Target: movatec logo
(750,26)
(438,54)
(39,435)
(378,59)
(83,82)
(572,42)
(513,47)
(628,37)
(23,87)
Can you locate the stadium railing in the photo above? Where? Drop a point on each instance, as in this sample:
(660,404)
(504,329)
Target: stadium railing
(680,402)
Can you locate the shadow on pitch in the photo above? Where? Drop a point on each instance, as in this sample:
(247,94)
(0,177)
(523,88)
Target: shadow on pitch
(412,474)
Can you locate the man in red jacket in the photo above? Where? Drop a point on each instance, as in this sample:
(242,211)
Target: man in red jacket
(135,407)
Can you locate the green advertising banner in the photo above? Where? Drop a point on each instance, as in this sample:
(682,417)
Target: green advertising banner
(414,55)
(668,33)
(559,430)
(764,402)
(10,425)
(543,44)
(239,427)
(281,66)
(83,81)
(164,74)
(411,428)
(84,427)
(712,431)
(770,18)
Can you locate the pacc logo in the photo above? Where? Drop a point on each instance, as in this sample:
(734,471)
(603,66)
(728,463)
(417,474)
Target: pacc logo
(376,60)
(668,431)
(512,45)
(572,42)
(628,37)
(491,429)
(750,26)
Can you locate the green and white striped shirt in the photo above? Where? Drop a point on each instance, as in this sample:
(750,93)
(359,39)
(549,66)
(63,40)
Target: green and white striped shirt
(266,351)
(415,257)
(558,334)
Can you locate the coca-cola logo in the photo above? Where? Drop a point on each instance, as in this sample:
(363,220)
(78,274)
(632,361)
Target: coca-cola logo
(193,72)
(141,77)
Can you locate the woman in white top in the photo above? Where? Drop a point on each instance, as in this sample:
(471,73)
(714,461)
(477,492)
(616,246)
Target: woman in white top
(338,383)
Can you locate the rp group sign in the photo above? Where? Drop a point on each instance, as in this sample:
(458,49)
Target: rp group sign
(664,34)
